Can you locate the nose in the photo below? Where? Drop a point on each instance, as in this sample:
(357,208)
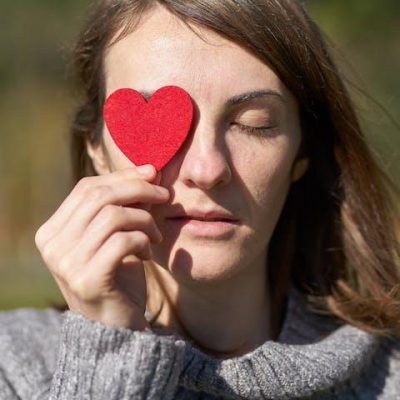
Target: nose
(205,161)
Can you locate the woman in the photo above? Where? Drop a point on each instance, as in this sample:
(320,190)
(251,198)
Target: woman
(295,296)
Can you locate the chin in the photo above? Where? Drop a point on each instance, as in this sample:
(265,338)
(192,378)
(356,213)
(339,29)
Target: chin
(204,262)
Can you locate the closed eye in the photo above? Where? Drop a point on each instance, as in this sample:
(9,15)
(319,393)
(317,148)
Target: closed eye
(257,130)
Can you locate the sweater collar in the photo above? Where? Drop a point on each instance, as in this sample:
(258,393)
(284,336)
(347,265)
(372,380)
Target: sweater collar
(312,354)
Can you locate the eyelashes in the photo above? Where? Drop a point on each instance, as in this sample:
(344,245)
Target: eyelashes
(261,131)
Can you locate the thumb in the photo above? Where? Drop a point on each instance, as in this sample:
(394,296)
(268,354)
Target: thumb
(152,176)
(156,181)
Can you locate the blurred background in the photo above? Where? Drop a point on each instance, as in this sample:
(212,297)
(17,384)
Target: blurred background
(37,99)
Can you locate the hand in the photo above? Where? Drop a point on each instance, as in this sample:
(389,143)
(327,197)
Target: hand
(94,248)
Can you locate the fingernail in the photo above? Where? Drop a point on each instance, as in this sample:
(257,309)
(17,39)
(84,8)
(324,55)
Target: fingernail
(162,190)
(145,169)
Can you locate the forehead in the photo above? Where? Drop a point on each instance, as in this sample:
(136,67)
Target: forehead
(162,50)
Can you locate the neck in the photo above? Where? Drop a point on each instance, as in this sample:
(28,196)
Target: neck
(227,319)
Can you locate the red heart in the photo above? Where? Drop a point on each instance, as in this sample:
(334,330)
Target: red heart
(149,132)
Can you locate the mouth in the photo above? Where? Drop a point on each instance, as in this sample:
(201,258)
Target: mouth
(211,228)
(189,217)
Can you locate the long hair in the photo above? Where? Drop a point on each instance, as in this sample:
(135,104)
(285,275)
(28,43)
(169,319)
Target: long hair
(337,236)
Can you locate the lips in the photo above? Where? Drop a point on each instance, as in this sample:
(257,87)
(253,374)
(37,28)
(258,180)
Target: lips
(206,216)
(208,223)
(206,220)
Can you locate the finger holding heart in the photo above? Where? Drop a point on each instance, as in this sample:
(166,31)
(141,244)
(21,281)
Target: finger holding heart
(84,247)
(86,244)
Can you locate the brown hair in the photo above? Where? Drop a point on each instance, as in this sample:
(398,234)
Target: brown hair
(336,239)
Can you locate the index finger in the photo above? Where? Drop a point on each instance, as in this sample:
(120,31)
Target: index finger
(67,207)
(147,206)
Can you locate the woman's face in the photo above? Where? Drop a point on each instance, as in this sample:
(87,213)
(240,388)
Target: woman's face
(220,166)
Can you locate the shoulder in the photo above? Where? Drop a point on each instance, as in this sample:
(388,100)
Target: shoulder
(39,318)
(30,334)
(30,323)
(388,360)
(381,377)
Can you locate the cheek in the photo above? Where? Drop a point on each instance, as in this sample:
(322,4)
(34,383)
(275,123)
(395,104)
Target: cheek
(263,168)
(117,157)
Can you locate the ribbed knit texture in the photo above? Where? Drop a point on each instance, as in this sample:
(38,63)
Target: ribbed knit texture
(45,354)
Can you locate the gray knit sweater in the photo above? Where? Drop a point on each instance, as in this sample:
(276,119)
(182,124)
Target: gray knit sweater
(46,354)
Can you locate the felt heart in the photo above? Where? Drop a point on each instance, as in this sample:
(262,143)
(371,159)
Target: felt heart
(149,132)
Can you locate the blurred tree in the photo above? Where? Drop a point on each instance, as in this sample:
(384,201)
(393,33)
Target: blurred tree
(366,35)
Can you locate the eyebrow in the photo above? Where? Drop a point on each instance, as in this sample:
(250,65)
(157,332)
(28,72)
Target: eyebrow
(245,97)
(239,98)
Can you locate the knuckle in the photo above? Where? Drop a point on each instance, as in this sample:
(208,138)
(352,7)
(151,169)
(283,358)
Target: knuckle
(147,218)
(120,240)
(110,212)
(81,287)
(97,193)
(64,266)
(83,184)
(49,253)
(39,237)
(141,238)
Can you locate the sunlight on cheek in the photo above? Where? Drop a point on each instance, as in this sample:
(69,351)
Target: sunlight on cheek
(263,166)
(261,154)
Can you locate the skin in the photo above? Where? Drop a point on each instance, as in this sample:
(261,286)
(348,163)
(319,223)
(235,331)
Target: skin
(223,280)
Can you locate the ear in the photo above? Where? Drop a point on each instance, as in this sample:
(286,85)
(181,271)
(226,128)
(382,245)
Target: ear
(99,156)
(299,169)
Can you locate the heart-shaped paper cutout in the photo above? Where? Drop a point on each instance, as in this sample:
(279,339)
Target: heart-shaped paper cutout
(149,132)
